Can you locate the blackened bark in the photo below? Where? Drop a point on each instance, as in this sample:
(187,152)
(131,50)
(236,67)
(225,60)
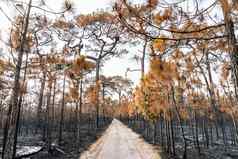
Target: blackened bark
(9,127)
(97,93)
(39,107)
(48,118)
(62,113)
(180,123)
(19,108)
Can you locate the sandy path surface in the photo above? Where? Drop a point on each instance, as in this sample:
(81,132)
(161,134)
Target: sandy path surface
(120,142)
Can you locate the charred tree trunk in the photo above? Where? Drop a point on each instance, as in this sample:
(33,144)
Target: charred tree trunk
(48,118)
(39,107)
(180,123)
(19,108)
(80,100)
(155,131)
(97,92)
(172,135)
(196,133)
(53,105)
(161,130)
(9,127)
(76,129)
(205,130)
(1,114)
(168,142)
(62,113)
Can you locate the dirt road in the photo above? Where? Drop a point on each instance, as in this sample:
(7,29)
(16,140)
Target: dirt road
(120,142)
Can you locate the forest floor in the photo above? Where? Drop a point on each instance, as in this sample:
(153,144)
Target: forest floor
(69,149)
(120,142)
(114,140)
(216,149)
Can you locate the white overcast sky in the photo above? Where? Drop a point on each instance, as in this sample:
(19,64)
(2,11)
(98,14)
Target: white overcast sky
(115,66)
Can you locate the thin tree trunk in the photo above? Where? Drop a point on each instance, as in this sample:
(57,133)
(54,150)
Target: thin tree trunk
(232,113)
(172,135)
(9,127)
(39,107)
(196,133)
(1,115)
(80,100)
(155,131)
(167,137)
(161,130)
(53,105)
(205,122)
(19,108)
(143,58)
(62,112)
(48,118)
(76,130)
(180,123)
(97,93)
(211,132)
